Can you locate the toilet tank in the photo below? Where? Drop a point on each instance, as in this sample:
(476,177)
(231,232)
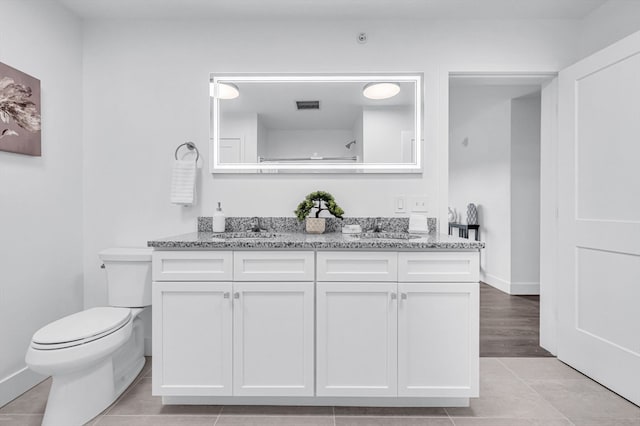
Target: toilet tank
(128,276)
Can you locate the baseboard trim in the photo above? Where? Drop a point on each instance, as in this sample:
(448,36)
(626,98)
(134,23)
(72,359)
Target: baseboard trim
(496,282)
(18,383)
(512,288)
(525,289)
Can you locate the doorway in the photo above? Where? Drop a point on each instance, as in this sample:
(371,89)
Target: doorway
(494,163)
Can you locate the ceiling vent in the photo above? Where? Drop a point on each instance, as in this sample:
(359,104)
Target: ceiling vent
(308,105)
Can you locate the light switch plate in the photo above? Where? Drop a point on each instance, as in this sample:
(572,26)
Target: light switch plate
(400,204)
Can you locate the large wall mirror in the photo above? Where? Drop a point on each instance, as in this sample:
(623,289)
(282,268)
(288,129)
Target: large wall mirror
(273,123)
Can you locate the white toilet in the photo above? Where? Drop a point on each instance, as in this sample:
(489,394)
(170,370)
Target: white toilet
(94,355)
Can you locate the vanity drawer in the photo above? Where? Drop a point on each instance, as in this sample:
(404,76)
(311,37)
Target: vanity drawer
(357,266)
(273,266)
(192,265)
(447,266)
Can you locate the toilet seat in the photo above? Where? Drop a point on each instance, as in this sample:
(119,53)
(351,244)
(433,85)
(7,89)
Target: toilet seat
(81,328)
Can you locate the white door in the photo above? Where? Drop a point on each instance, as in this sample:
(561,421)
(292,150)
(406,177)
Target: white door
(231,150)
(192,338)
(438,339)
(356,339)
(599,217)
(273,339)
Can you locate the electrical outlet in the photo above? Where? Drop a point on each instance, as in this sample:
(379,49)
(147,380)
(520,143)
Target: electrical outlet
(419,204)
(400,204)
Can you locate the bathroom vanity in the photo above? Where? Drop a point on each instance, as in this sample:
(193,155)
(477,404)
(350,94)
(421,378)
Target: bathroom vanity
(296,319)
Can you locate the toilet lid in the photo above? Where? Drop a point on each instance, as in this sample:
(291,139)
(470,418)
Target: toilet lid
(81,327)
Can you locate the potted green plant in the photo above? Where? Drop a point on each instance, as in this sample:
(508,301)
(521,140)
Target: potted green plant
(318,200)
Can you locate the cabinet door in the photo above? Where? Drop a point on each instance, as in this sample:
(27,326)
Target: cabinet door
(356,339)
(192,338)
(273,339)
(438,339)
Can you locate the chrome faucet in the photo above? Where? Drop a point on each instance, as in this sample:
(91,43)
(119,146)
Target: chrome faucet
(255,225)
(377,227)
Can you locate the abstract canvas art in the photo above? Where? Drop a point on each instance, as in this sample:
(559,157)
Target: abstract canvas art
(19,112)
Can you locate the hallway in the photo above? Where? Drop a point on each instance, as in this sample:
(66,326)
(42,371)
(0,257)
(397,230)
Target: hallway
(509,325)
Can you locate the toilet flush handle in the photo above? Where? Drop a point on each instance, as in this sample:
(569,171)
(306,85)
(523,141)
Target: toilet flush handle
(102,266)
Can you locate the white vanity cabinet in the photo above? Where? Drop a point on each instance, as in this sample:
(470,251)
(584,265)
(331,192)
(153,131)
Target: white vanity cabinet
(357,339)
(192,323)
(438,339)
(332,327)
(249,336)
(389,338)
(357,323)
(438,324)
(273,319)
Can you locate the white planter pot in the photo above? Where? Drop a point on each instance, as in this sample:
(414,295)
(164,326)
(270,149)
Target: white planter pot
(315,225)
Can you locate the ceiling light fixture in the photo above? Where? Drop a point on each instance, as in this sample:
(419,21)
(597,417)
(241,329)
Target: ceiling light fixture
(224,90)
(381,90)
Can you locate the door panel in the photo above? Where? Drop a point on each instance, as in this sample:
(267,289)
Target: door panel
(356,339)
(599,217)
(191,338)
(438,339)
(273,339)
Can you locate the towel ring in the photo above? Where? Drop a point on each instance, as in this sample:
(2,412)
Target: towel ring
(191,146)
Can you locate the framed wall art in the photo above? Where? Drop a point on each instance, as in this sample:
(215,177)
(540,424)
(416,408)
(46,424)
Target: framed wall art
(19,112)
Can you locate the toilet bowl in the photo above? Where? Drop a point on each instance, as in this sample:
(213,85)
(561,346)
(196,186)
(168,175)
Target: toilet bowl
(95,354)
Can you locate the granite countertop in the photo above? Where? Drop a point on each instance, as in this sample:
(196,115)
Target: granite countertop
(298,240)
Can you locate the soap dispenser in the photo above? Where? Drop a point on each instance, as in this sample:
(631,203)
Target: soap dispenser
(218,220)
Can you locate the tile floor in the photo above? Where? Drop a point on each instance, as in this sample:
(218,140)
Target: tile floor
(514,392)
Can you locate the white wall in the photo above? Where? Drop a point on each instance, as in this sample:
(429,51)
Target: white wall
(607,24)
(146,91)
(40,197)
(480,172)
(306,143)
(525,194)
(382,129)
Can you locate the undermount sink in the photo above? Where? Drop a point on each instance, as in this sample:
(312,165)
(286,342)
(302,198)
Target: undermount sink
(387,235)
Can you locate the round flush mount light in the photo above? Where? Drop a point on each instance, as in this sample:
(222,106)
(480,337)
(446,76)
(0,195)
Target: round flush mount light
(381,90)
(224,90)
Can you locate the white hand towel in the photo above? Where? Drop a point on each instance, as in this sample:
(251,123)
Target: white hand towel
(183,182)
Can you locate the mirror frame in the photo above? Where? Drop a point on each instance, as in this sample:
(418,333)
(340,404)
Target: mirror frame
(216,167)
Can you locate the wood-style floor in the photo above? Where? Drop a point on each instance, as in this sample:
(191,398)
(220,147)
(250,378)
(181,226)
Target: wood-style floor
(509,325)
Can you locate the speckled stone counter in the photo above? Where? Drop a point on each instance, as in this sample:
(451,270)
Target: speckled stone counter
(327,241)
(291,224)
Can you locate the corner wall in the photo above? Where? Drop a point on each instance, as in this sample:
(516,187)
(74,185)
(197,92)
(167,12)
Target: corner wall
(40,197)
(607,24)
